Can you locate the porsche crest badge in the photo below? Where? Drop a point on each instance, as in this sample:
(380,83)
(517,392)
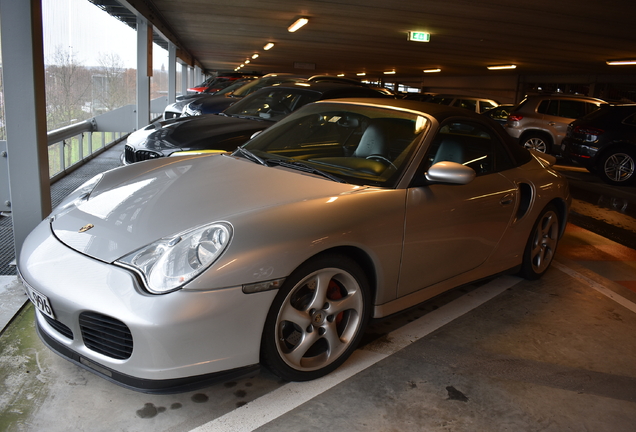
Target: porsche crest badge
(86,228)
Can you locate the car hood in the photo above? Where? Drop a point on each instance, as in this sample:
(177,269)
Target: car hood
(199,132)
(136,205)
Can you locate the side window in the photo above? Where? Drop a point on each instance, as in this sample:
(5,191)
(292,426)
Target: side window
(466,103)
(571,109)
(631,120)
(590,107)
(553,108)
(543,107)
(485,105)
(470,144)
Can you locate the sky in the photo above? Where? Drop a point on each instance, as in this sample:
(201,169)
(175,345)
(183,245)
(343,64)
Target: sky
(89,32)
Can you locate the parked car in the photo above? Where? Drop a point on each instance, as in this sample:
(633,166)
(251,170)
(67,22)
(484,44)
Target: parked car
(540,122)
(216,83)
(214,104)
(476,104)
(175,109)
(165,275)
(499,113)
(604,142)
(237,123)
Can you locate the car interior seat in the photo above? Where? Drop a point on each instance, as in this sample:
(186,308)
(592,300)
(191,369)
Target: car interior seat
(373,142)
(449,150)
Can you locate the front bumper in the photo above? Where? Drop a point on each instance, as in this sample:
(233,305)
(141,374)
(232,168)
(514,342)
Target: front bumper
(179,339)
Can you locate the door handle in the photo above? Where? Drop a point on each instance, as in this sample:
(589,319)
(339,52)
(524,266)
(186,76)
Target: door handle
(507,200)
(551,123)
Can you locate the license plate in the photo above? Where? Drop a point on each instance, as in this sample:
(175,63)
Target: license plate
(40,301)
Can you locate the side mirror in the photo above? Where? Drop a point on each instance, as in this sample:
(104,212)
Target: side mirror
(450,172)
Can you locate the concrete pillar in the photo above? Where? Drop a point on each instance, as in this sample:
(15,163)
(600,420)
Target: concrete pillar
(144,33)
(25,115)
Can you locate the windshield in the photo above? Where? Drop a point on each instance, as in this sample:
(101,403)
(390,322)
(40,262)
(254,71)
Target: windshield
(360,144)
(266,81)
(235,85)
(271,104)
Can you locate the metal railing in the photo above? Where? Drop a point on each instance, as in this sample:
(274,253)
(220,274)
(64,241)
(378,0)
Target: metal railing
(69,147)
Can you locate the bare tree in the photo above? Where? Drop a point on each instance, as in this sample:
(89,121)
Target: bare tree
(67,89)
(111,88)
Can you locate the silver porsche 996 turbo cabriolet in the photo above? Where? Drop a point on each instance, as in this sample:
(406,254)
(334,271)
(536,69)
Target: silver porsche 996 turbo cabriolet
(167,274)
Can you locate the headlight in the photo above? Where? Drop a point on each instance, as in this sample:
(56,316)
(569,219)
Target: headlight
(76,197)
(170,263)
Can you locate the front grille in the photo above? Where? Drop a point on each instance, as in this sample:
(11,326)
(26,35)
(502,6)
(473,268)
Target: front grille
(59,327)
(129,153)
(142,155)
(133,156)
(106,335)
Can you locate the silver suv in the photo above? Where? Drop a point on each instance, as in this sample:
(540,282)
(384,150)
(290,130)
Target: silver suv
(540,122)
(476,104)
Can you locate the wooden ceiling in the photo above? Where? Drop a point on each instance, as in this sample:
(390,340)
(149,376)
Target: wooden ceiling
(353,36)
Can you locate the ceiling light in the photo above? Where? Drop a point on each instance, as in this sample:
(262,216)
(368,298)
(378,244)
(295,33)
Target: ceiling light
(255,55)
(242,65)
(361,74)
(341,75)
(247,61)
(499,67)
(432,70)
(269,46)
(621,62)
(389,73)
(298,24)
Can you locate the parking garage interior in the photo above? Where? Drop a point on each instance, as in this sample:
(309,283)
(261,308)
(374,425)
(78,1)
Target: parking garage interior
(504,354)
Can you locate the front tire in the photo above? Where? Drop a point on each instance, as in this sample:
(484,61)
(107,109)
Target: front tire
(542,244)
(317,319)
(618,167)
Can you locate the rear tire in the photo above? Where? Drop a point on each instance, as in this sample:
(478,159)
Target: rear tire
(537,141)
(618,167)
(542,244)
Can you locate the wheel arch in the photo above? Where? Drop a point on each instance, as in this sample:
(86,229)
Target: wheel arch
(562,209)
(360,257)
(613,146)
(543,133)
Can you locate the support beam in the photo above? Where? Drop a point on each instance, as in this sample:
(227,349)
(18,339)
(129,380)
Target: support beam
(172,72)
(25,115)
(184,78)
(143,79)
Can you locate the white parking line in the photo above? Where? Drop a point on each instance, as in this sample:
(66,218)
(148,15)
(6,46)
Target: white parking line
(595,285)
(284,399)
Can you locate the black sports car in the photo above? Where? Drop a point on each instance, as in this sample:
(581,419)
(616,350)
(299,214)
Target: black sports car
(235,125)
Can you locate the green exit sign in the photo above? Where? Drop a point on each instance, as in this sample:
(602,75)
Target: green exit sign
(419,36)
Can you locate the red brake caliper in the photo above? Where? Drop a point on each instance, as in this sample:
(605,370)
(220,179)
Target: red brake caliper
(334,293)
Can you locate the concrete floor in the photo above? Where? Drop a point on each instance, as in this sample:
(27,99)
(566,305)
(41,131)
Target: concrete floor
(555,354)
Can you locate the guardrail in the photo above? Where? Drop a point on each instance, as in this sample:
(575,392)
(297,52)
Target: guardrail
(69,147)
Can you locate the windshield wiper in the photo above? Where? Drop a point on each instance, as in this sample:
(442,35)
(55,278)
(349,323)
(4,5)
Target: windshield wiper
(249,155)
(305,168)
